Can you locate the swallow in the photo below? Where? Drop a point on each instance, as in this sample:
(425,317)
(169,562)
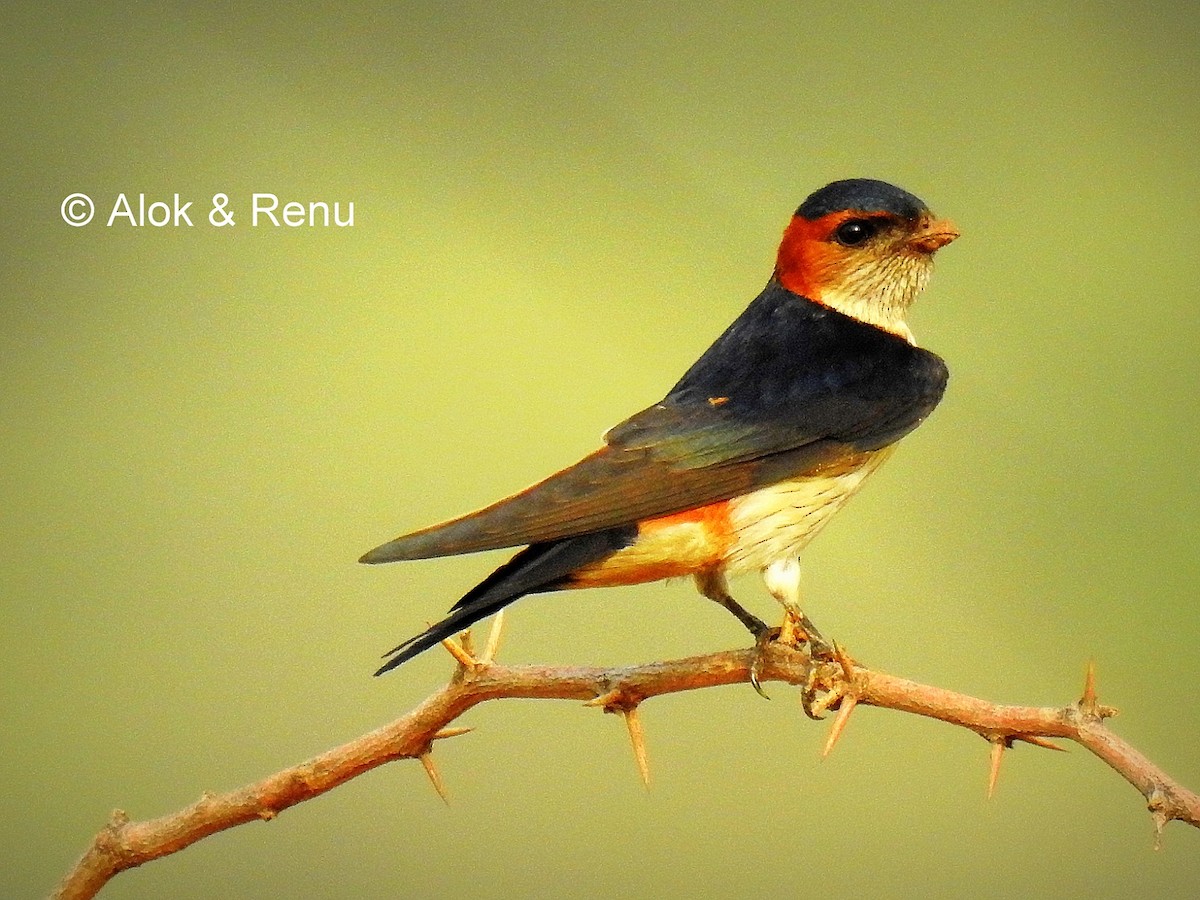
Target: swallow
(748,456)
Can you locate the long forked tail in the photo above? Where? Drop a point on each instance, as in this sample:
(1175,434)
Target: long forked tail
(449,626)
(539,567)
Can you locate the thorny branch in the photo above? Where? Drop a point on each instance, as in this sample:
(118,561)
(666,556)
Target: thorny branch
(839,684)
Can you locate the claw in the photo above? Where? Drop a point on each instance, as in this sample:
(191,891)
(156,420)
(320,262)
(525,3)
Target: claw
(831,699)
(754,682)
(763,638)
(808,695)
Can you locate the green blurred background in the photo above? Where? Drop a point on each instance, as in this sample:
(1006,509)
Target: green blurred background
(557,207)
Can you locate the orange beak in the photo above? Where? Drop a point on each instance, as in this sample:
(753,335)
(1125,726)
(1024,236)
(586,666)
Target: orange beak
(933,235)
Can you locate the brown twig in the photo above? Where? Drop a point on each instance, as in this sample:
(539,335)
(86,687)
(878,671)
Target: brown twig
(124,844)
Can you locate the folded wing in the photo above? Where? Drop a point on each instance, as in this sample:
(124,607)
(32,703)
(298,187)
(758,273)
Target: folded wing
(789,387)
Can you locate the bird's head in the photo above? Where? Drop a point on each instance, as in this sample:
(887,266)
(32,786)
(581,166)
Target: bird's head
(864,248)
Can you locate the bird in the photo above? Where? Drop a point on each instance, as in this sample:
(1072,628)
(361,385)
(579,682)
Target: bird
(747,457)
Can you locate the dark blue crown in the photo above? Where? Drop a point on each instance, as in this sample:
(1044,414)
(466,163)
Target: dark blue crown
(863,195)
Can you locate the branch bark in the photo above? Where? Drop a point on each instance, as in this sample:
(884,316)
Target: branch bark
(840,684)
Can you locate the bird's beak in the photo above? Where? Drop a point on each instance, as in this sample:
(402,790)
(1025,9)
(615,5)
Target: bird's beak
(933,235)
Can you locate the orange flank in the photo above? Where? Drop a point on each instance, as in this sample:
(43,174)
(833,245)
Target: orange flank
(667,547)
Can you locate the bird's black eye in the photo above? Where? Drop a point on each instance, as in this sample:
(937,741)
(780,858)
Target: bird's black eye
(854,232)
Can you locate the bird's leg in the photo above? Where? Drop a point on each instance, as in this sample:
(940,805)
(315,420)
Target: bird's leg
(783,581)
(712,584)
(782,578)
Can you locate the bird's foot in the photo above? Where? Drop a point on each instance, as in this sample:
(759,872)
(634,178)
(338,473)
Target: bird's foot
(818,648)
(797,629)
(810,693)
(821,653)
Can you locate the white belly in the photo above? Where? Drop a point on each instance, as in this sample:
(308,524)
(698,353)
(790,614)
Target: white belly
(777,522)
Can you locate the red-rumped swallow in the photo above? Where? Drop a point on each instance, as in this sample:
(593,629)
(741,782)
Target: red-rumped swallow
(748,456)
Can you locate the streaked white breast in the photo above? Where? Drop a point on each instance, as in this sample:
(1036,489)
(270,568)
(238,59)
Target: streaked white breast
(777,522)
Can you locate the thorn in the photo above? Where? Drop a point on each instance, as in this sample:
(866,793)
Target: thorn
(1160,822)
(608,701)
(847,664)
(493,639)
(638,739)
(460,653)
(1039,741)
(1157,804)
(455,732)
(999,745)
(1087,703)
(435,777)
(839,723)
(468,642)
